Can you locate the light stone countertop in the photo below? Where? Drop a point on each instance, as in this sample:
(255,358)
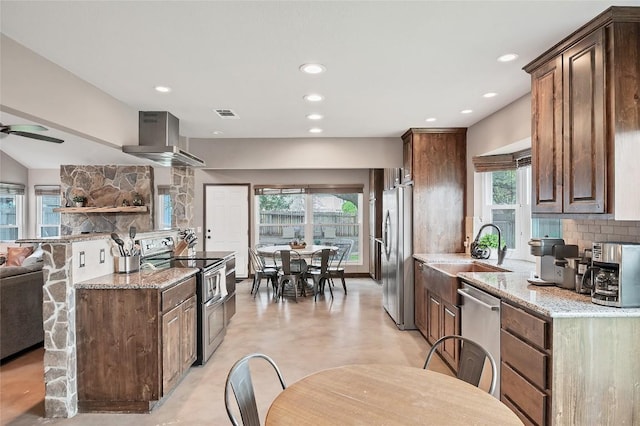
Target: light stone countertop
(551,301)
(92,236)
(144,279)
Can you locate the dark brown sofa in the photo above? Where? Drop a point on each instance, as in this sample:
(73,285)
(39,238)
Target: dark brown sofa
(20,308)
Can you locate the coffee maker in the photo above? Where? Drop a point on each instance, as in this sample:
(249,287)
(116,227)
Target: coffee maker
(614,274)
(542,248)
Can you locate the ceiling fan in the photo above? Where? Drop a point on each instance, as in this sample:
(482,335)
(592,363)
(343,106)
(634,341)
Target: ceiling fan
(26,129)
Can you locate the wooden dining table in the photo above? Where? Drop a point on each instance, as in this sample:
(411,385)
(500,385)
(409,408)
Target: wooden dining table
(380,394)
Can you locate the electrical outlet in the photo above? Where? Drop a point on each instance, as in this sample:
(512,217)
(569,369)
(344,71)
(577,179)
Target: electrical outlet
(82,259)
(102,256)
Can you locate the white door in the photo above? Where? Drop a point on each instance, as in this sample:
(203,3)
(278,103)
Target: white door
(226,222)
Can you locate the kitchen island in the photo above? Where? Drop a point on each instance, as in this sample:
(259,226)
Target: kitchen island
(564,360)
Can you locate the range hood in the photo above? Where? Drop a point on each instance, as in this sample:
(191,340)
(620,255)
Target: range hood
(159,141)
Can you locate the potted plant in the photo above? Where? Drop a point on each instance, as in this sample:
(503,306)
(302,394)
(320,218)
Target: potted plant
(79,200)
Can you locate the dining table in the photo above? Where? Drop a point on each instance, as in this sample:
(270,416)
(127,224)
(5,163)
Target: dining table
(381,394)
(306,251)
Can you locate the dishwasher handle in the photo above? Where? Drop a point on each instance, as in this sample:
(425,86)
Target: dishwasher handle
(464,293)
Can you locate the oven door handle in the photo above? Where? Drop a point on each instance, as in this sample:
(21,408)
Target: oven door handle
(214,301)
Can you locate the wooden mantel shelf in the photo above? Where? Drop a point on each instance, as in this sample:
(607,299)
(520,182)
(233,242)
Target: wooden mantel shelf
(87,210)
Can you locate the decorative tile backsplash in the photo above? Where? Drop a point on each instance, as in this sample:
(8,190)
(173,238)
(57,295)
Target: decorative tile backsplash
(584,232)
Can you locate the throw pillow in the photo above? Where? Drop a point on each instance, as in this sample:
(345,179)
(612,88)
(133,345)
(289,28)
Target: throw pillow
(34,257)
(15,255)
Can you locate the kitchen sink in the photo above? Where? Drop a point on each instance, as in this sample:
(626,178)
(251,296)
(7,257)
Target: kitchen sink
(453,269)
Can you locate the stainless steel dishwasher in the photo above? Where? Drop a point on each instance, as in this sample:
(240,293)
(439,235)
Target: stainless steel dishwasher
(480,322)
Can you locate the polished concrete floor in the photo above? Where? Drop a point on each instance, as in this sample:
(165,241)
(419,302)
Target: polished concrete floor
(301,337)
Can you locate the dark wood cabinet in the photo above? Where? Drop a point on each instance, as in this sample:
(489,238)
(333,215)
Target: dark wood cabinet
(133,345)
(439,176)
(584,94)
(420,298)
(525,352)
(376,185)
(434,314)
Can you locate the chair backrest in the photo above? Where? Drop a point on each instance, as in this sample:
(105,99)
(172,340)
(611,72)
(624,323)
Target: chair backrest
(320,258)
(472,360)
(239,380)
(344,248)
(256,261)
(291,262)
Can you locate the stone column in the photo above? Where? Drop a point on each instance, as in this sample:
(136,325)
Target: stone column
(59,301)
(182,193)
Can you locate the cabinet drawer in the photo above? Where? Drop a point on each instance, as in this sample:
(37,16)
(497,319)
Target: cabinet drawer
(528,361)
(523,418)
(526,326)
(523,394)
(179,293)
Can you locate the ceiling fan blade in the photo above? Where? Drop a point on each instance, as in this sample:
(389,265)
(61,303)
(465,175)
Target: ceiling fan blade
(26,128)
(36,136)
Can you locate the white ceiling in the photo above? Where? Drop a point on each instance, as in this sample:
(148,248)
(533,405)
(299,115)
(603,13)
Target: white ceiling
(390,64)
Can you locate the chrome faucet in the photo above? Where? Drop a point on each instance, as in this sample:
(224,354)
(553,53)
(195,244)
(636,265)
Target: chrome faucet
(484,253)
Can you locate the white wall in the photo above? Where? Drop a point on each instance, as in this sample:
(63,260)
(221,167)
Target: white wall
(35,88)
(11,171)
(299,153)
(275,177)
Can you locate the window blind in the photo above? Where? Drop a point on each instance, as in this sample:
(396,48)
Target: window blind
(308,189)
(494,163)
(11,189)
(163,189)
(47,189)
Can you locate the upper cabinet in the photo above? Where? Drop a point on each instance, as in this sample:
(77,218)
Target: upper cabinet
(585,94)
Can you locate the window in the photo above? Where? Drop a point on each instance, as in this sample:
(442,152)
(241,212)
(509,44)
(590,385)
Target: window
(11,211)
(314,214)
(165,209)
(48,222)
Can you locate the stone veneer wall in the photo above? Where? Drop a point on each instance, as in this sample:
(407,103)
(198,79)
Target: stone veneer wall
(106,186)
(59,302)
(584,232)
(182,192)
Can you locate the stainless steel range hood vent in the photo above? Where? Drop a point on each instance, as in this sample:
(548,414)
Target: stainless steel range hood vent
(159,141)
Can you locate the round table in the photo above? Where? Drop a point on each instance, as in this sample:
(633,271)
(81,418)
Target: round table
(304,252)
(377,394)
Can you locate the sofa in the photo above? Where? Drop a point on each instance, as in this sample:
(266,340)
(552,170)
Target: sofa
(20,307)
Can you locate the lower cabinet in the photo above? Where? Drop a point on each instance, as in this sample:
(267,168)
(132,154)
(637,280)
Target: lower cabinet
(436,311)
(525,351)
(133,345)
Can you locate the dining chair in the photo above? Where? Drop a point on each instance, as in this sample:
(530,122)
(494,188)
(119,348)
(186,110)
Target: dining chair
(260,271)
(472,360)
(320,274)
(239,380)
(336,267)
(292,270)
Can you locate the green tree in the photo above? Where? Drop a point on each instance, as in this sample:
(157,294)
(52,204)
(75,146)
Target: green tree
(349,207)
(504,187)
(275,202)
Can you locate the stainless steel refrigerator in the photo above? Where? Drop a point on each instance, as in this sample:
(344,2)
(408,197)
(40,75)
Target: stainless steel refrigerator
(397,252)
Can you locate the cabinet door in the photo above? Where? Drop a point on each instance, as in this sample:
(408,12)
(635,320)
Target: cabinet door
(420,299)
(188,333)
(407,159)
(546,140)
(584,132)
(450,325)
(171,343)
(433,312)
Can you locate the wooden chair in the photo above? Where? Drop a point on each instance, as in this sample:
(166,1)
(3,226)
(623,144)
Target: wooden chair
(472,359)
(260,271)
(239,381)
(292,270)
(320,273)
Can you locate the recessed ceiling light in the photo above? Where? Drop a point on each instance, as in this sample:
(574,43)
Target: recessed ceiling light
(315,130)
(163,89)
(490,95)
(313,97)
(217,132)
(508,57)
(312,68)
(315,116)
(466,111)
(430,119)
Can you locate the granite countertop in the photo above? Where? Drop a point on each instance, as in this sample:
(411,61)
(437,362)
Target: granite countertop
(91,236)
(145,278)
(513,286)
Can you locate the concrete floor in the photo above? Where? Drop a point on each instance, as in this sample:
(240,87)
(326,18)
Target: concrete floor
(302,338)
